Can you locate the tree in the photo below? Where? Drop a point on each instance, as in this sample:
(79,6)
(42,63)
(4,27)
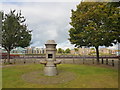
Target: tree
(60,50)
(1,17)
(67,50)
(92,51)
(114,4)
(76,50)
(14,32)
(95,24)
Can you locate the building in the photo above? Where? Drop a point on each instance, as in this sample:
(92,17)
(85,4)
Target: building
(103,51)
(92,51)
(34,50)
(26,50)
(18,50)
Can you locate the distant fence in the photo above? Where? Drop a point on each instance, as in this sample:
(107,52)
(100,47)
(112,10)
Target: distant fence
(65,59)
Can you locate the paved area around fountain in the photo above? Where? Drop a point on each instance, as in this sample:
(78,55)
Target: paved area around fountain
(37,77)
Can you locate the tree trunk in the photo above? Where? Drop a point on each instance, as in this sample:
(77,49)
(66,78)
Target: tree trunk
(97,54)
(8,56)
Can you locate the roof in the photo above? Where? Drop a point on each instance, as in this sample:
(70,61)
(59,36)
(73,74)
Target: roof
(50,42)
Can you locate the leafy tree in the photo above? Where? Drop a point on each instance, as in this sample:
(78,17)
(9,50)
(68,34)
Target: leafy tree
(1,17)
(92,49)
(67,50)
(60,50)
(14,32)
(76,50)
(114,4)
(95,24)
(63,51)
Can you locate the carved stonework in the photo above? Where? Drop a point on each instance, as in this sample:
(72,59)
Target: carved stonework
(50,62)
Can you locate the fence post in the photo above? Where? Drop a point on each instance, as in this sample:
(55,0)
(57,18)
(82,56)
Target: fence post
(83,60)
(113,63)
(24,60)
(63,59)
(102,61)
(14,60)
(73,59)
(34,61)
(93,60)
(107,61)
(4,61)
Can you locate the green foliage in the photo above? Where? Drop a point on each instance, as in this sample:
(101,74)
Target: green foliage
(92,53)
(14,31)
(67,50)
(114,4)
(1,16)
(95,24)
(92,49)
(76,49)
(60,50)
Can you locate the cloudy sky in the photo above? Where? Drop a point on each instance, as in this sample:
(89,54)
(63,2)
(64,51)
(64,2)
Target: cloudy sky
(47,20)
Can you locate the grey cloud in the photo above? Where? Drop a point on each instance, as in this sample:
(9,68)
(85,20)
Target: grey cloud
(47,20)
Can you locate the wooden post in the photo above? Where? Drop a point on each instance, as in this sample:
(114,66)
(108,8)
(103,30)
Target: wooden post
(73,59)
(107,61)
(83,60)
(24,60)
(34,61)
(4,61)
(63,59)
(93,60)
(102,61)
(113,63)
(14,60)
(119,66)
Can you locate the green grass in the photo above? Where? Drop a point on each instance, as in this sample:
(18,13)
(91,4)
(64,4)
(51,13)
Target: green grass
(86,77)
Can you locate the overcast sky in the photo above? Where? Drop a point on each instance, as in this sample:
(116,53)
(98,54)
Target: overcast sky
(47,20)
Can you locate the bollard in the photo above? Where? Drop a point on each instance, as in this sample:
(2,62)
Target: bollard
(73,60)
(63,60)
(107,61)
(4,61)
(34,62)
(102,61)
(24,61)
(83,60)
(14,61)
(113,63)
(93,60)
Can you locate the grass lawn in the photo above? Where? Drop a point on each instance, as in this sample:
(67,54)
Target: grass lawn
(85,77)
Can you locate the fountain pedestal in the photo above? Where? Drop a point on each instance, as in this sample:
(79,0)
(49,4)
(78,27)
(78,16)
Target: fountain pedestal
(50,63)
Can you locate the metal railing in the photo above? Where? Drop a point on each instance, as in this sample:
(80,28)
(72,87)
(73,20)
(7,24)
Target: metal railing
(68,59)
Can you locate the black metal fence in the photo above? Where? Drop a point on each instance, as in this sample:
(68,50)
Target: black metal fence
(65,59)
(68,59)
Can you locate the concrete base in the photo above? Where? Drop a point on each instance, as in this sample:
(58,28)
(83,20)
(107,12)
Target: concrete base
(50,71)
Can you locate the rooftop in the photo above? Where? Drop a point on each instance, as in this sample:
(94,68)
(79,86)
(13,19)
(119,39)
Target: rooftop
(50,42)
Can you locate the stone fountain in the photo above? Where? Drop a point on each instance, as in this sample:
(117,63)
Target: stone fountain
(50,62)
